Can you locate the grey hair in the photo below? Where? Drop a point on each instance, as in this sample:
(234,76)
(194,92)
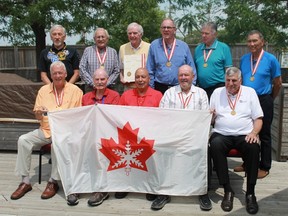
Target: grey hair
(256,32)
(100,70)
(233,70)
(138,26)
(58,63)
(212,25)
(57,27)
(106,32)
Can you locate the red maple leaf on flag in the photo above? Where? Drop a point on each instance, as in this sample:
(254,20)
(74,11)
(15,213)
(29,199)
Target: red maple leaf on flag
(127,153)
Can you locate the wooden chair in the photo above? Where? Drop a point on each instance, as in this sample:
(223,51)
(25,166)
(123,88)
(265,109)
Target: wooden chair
(46,149)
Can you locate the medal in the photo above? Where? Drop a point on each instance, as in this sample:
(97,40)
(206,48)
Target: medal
(168,64)
(102,66)
(101,59)
(169,56)
(252,78)
(205,65)
(233,104)
(206,57)
(233,112)
(254,68)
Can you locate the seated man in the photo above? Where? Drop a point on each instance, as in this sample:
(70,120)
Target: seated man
(142,95)
(102,95)
(57,95)
(237,119)
(186,96)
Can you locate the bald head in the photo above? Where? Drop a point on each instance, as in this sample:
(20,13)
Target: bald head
(100,78)
(185,77)
(142,79)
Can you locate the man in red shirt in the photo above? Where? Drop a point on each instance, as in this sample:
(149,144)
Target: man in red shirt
(143,94)
(102,95)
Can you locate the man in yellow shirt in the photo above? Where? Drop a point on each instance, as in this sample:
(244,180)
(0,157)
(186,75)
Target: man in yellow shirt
(57,95)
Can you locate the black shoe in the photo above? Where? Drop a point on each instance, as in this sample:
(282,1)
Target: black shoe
(97,198)
(120,195)
(151,197)
(227,202)
(73,199)
(160,202)
(251,204)
(205,203)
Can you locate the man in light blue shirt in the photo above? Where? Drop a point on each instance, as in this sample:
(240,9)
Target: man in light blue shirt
(165,56)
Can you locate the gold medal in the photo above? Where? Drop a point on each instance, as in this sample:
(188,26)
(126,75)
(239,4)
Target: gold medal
(102,66)
(129,74)
(233,112)
(205,65)
(168,64)
(252,78)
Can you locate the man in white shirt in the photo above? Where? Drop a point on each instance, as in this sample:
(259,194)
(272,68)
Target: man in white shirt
(237,119)
(186,96)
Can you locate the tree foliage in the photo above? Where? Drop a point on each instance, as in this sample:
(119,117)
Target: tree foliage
(268,16)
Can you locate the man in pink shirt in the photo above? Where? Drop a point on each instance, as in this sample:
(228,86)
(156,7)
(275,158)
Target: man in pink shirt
(143,94)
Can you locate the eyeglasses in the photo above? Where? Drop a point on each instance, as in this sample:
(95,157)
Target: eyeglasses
(167,27)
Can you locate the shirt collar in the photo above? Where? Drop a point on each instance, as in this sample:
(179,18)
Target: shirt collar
(213,46)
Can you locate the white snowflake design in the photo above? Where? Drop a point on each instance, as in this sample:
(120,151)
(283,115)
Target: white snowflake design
(128,158)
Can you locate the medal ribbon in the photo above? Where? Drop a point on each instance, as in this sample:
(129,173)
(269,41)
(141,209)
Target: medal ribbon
(103,59)
(143,60)
(206,57)
(231,104)
(58,98)
(172,49)
(253,70)
(186,101)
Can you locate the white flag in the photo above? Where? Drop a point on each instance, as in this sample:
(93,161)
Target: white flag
(110,148)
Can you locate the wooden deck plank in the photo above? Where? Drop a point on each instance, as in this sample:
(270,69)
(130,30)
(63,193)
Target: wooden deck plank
(271,192)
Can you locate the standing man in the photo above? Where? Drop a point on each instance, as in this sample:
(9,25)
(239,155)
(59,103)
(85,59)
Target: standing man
(211,57)
(135,46)
(237,119)
(100,95)
(261,71)
(57,95)
(99,56)
(59,52)
(165,56)
(185,96)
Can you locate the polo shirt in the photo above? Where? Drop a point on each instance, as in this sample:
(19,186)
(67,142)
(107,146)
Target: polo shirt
(132,98)
(109,97)
(268,69)
(219,59)
(247,109)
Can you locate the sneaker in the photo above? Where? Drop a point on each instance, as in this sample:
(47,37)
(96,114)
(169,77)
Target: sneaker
(205,203)
(240,168)
(120,195)
(160,202)
(72,199)
(97,198)
(151,197)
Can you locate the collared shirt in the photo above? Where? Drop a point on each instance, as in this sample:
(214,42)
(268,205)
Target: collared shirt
(196,99)
(268,69)
(89,63)
(219,60)
(132,98)
(109,97)
(156,62)
(247,110)
(127,49)
(68,55)
(46,97)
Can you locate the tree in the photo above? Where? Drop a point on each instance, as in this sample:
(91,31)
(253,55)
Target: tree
(268,16)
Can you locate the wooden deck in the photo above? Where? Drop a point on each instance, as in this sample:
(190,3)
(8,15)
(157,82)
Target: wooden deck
(271,192)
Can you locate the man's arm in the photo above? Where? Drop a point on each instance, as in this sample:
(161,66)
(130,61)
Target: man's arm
(45,78)
(253,137)
(75,76)
(277,83)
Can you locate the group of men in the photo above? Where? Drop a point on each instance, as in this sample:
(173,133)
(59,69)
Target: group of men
(241,101)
